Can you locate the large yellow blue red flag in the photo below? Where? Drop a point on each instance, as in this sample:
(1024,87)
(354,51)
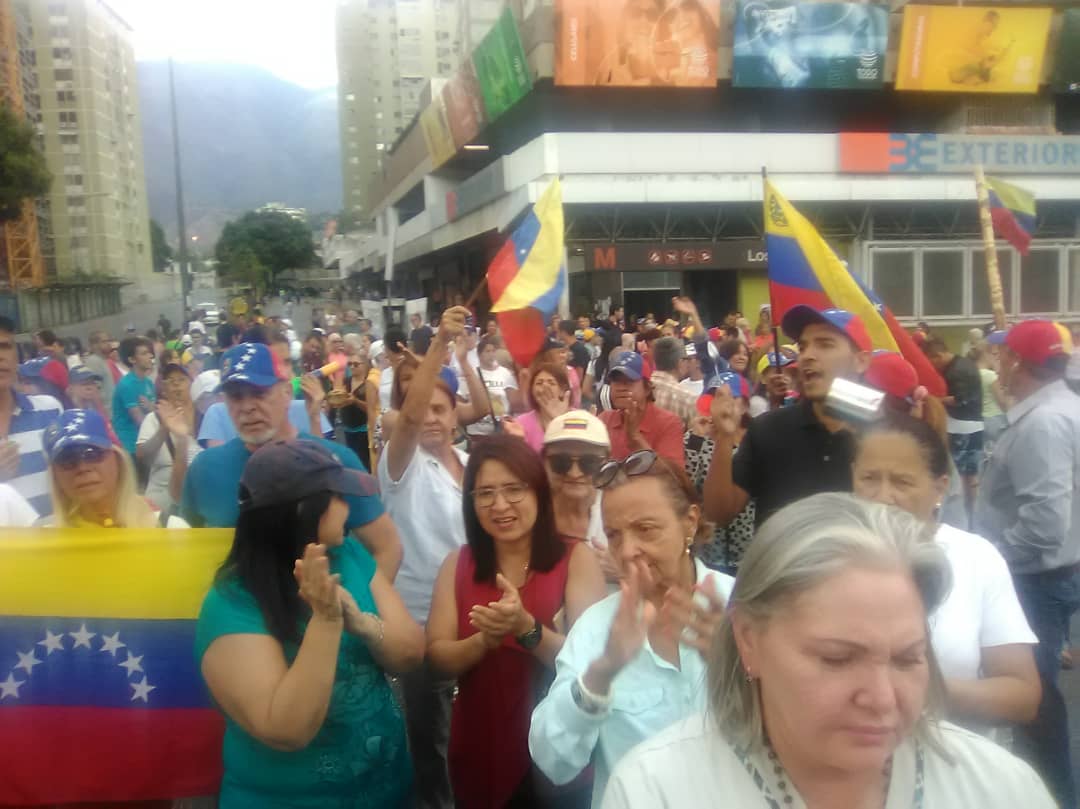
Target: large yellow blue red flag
(803,269)
(527,277)
(101,698)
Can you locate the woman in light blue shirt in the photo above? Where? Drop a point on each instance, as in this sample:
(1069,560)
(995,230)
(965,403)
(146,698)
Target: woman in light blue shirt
(632,664)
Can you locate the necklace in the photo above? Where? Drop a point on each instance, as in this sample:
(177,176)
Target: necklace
(782,780)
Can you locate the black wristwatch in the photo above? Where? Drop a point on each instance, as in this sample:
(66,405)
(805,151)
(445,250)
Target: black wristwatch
(531,639)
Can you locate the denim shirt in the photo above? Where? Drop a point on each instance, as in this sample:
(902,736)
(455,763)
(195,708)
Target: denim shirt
(648,695)
(1029,498)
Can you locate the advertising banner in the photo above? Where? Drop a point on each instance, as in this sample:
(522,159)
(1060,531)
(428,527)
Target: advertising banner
(968,49)
(894,153)
(501,67)
(741,254)
(636,43)
(464,105)
(1067,65)
(784,43)
(440,143)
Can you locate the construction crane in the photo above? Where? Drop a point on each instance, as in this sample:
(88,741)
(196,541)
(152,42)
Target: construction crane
(20,246)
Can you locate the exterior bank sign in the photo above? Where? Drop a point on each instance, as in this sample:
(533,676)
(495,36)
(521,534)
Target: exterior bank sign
(739,254)
(875,153)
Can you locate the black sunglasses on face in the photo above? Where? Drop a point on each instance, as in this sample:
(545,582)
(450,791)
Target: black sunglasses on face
(636,463)
(562,462)
(71,458)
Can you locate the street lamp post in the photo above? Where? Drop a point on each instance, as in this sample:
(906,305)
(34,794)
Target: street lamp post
(185,278)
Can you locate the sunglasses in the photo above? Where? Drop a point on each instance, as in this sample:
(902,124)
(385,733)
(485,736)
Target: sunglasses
(562,462)
(511,492)
(70,459)
(636,463)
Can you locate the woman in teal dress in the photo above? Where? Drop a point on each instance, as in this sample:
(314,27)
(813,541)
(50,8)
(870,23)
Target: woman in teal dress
(294,640)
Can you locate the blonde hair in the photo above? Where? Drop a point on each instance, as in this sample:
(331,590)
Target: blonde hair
(798,548)
(131,510)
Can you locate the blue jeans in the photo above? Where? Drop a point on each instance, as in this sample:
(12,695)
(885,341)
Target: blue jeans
(1049,600)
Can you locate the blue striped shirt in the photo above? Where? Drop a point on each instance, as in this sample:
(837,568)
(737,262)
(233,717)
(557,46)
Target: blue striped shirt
(32,415)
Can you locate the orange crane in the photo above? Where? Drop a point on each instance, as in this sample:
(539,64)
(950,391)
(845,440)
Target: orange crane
(20,245)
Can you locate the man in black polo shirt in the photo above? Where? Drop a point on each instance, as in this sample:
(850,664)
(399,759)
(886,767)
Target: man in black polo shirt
(796,451)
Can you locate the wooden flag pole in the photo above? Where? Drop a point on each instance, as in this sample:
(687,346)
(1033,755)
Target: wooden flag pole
(764,230)
(993,274)
(476,292)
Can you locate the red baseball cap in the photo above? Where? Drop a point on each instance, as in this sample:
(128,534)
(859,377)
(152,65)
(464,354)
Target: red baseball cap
(1035,341)
(891,373)
(797,318)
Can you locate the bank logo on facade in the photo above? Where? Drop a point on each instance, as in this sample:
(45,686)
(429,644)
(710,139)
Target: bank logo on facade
(893,153)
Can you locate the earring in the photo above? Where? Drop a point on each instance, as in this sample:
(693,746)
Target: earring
(749,676)
(689,544)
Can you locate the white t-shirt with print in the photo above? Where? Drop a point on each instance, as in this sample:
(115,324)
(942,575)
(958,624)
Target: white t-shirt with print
(157,485)
(15,512)
(498,382)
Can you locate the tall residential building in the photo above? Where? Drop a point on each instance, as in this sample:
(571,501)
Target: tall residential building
(89,119)
(387,50)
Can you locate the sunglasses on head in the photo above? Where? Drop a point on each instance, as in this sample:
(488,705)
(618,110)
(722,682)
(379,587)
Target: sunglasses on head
(70,459)
(636,463)
(562,462)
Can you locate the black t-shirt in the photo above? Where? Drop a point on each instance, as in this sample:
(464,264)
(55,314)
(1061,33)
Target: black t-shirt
(965,385)
(579,357)
(787,454)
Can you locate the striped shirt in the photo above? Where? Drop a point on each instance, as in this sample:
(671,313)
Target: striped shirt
(32,415)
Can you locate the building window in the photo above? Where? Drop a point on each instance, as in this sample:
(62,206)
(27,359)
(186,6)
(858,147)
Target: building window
(350,96)
(980,287)
(1039,282)
(69,140)
(69,120)
(942,282)
(894,280)
(64,74)
(65,97)
(61,53)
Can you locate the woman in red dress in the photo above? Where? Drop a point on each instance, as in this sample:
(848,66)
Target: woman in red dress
(499,615)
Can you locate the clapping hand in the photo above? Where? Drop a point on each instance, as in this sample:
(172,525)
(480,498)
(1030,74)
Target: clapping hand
(174,419)
(551,404)
(318,588)
(632,620)
(725,419)
(633,412)
(507,616)
(693,616)
(314,394)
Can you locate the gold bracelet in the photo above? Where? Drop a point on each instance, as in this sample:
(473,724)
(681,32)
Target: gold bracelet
(382,630)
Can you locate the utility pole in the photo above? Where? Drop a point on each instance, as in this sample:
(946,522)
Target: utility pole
(185,278)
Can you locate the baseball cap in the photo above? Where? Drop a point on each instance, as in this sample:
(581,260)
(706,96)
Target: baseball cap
(195,326)
(285,471)
(577,425)
(75,428)
(448,379)
(630,365)
(171,368)
(736,383)
(769,361)
(716,334)
(250,363)
(797,318)
(206,382)
(1035,341)
(890,373)
(550,344)
(47,368)
(80,374)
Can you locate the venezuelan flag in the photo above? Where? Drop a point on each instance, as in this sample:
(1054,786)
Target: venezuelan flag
(100,695)
(527,277)
(1012,210)
(803,269)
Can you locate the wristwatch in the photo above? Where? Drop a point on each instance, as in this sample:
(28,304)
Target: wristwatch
(531,639)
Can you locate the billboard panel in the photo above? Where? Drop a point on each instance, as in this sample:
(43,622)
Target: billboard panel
(501,67)
(784,43)
(464,105)
(437,137)
(968,49)
(1067,66)
(636,43)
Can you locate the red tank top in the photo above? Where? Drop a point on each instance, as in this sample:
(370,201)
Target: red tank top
(489,727)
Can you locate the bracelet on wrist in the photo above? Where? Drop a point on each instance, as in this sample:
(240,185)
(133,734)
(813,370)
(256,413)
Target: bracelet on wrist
(382,630)
(589,702)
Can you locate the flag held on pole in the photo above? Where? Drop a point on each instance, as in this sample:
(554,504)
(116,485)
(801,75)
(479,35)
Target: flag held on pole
(1012,210)
(804,269)
(527,277)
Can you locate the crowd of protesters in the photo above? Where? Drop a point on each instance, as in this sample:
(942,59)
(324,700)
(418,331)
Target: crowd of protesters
(662,561)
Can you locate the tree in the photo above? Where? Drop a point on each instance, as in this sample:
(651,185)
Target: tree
(246,269)
(23,171)
(276,240)
(161,251)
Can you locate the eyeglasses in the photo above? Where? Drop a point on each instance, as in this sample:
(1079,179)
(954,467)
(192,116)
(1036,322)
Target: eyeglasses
(562,462)
(70,459)
(511,492)
(636,463)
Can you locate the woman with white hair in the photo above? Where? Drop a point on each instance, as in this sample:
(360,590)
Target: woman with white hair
(824,689)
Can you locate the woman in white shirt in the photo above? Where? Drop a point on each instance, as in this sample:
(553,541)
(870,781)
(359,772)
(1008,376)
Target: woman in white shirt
(980,635)
(824,689)
(631,665)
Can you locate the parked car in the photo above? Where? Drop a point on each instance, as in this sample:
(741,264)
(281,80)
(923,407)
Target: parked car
(212,316)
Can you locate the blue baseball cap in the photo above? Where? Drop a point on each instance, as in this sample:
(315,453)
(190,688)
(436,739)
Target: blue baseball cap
(81,374)
(249,363)
(448,378)
(33,368)
(734,382)
(75,428)
(797,318)
(630,365)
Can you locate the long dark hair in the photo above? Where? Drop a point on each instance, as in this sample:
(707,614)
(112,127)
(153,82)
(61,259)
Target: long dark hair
(524,464)
(267,543)
(612,339)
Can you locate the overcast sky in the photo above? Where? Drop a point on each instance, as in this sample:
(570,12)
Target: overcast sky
(293,39)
